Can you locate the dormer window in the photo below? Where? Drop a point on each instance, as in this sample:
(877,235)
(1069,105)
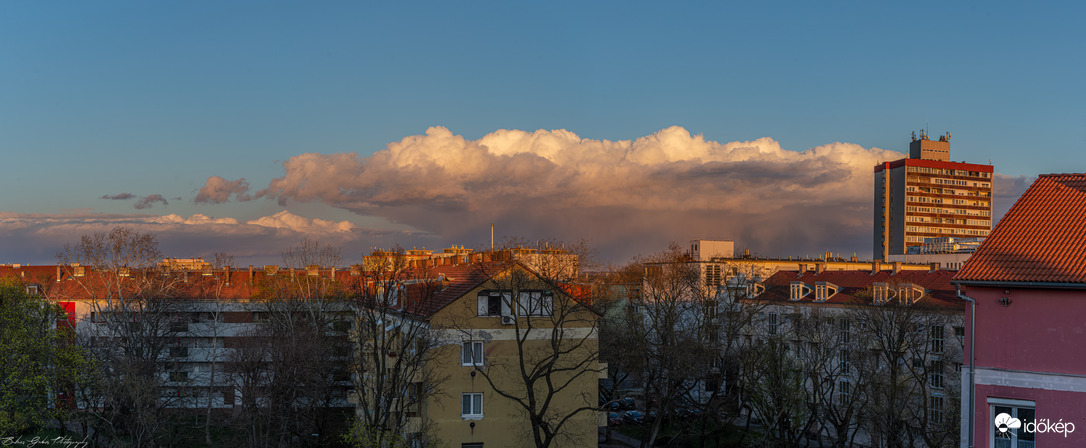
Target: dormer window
(909,293)
(798,291)
(755,289)
(824,290)
(882,293)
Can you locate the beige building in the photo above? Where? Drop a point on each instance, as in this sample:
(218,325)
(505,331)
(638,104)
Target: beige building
(928,196)
(496,321)
(718,264)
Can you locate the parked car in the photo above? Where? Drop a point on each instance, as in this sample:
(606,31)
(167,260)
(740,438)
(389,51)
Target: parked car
(613,419)
(613,406)
(629,403)
(634,417)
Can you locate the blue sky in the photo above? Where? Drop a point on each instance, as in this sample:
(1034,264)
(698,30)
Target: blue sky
(104,98)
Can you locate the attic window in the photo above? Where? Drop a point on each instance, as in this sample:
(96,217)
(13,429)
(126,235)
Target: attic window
(32,289)
(824,290)
(491,304)
(755,289)
(909,293)
(798,291)
(881,293)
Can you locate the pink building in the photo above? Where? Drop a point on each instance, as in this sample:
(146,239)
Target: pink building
(1027,282)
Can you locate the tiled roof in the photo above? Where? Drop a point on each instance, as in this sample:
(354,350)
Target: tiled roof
(460,279)
(428,289)
(940,293)
(1041,239)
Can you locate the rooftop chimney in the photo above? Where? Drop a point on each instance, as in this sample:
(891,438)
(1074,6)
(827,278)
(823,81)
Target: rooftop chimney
(875,267)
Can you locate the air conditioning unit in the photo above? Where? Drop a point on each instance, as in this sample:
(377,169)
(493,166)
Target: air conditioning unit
(508,320)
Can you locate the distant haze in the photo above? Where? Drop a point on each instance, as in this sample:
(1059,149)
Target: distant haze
(625,198)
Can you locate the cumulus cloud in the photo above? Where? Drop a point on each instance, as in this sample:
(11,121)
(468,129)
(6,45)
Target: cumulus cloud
(36,238)
(626,196)
(149,201)
(1005,191)
(218,190)
(118,197)
(287,220)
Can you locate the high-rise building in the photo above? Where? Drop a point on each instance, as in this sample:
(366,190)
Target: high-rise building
(927,196)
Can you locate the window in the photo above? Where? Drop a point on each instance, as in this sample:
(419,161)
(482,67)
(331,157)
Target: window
(798,290)
(843,360)
(881,293)
(824,290)
(845,333)
(959,332)
(844,391)
(179,352)
(937,340)
(935,410)
(1003,435)
(492,303)
(772,323)
(178,377)
(473,406)
(712,276)
(471,353)
(937,375)
(535,303)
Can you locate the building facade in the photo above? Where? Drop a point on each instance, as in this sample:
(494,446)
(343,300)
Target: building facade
(519,353)
(1027,283)
(877,354)
(928,196)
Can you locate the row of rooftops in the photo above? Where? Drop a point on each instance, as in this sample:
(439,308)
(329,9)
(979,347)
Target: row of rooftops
(445,283)
(929,288)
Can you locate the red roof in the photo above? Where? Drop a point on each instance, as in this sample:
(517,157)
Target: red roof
(940,293)
(934,164)
(1041,239)
(459,280)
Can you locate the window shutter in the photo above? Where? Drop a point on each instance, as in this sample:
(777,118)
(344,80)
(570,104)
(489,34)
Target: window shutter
(483,300)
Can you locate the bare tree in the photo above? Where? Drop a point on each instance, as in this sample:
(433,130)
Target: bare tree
(555,365)
(291,377)
(776,392)
(675,335)
(914,384)
(207,313)
(133,312)
(832,352)
(396,371)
